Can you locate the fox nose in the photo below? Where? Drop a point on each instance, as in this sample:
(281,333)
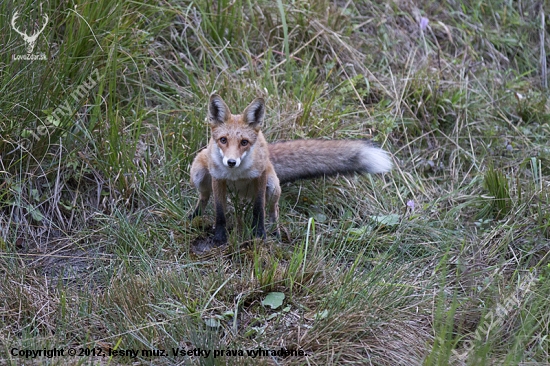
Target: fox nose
(231,163)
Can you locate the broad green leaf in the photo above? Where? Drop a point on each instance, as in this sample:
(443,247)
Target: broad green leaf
(274,300)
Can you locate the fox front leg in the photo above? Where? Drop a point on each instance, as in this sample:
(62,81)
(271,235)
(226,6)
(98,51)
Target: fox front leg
(258,209)
(202,180)
(219,188)
(204,196)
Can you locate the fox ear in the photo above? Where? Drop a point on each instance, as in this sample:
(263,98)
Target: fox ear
(254,113)
(218,111)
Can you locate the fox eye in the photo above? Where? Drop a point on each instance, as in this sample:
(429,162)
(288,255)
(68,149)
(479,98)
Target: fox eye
(223,140)
(244,142)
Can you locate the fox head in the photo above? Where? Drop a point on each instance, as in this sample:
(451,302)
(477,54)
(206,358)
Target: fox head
(235,135)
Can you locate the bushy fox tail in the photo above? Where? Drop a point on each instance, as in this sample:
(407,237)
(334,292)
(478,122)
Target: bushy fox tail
(304,159)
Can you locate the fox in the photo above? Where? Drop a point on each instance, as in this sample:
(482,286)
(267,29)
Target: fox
(239,159)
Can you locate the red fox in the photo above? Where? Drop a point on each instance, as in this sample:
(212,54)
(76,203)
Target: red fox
(238,158)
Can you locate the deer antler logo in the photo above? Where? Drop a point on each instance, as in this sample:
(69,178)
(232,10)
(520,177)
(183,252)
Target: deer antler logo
(30,40)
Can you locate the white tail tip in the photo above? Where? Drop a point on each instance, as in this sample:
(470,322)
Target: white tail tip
(377,160)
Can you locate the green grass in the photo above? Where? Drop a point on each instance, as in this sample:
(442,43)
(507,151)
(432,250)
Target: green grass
(443,261)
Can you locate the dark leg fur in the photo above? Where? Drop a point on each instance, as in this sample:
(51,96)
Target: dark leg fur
(199,210)
(258,220)
(196,212)
(203,182)
(258,210)
(220,234)
(220,196)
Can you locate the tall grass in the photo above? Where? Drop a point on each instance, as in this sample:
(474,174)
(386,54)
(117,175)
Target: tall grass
(95,247)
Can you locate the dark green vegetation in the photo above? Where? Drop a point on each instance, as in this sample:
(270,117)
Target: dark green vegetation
(443,261)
